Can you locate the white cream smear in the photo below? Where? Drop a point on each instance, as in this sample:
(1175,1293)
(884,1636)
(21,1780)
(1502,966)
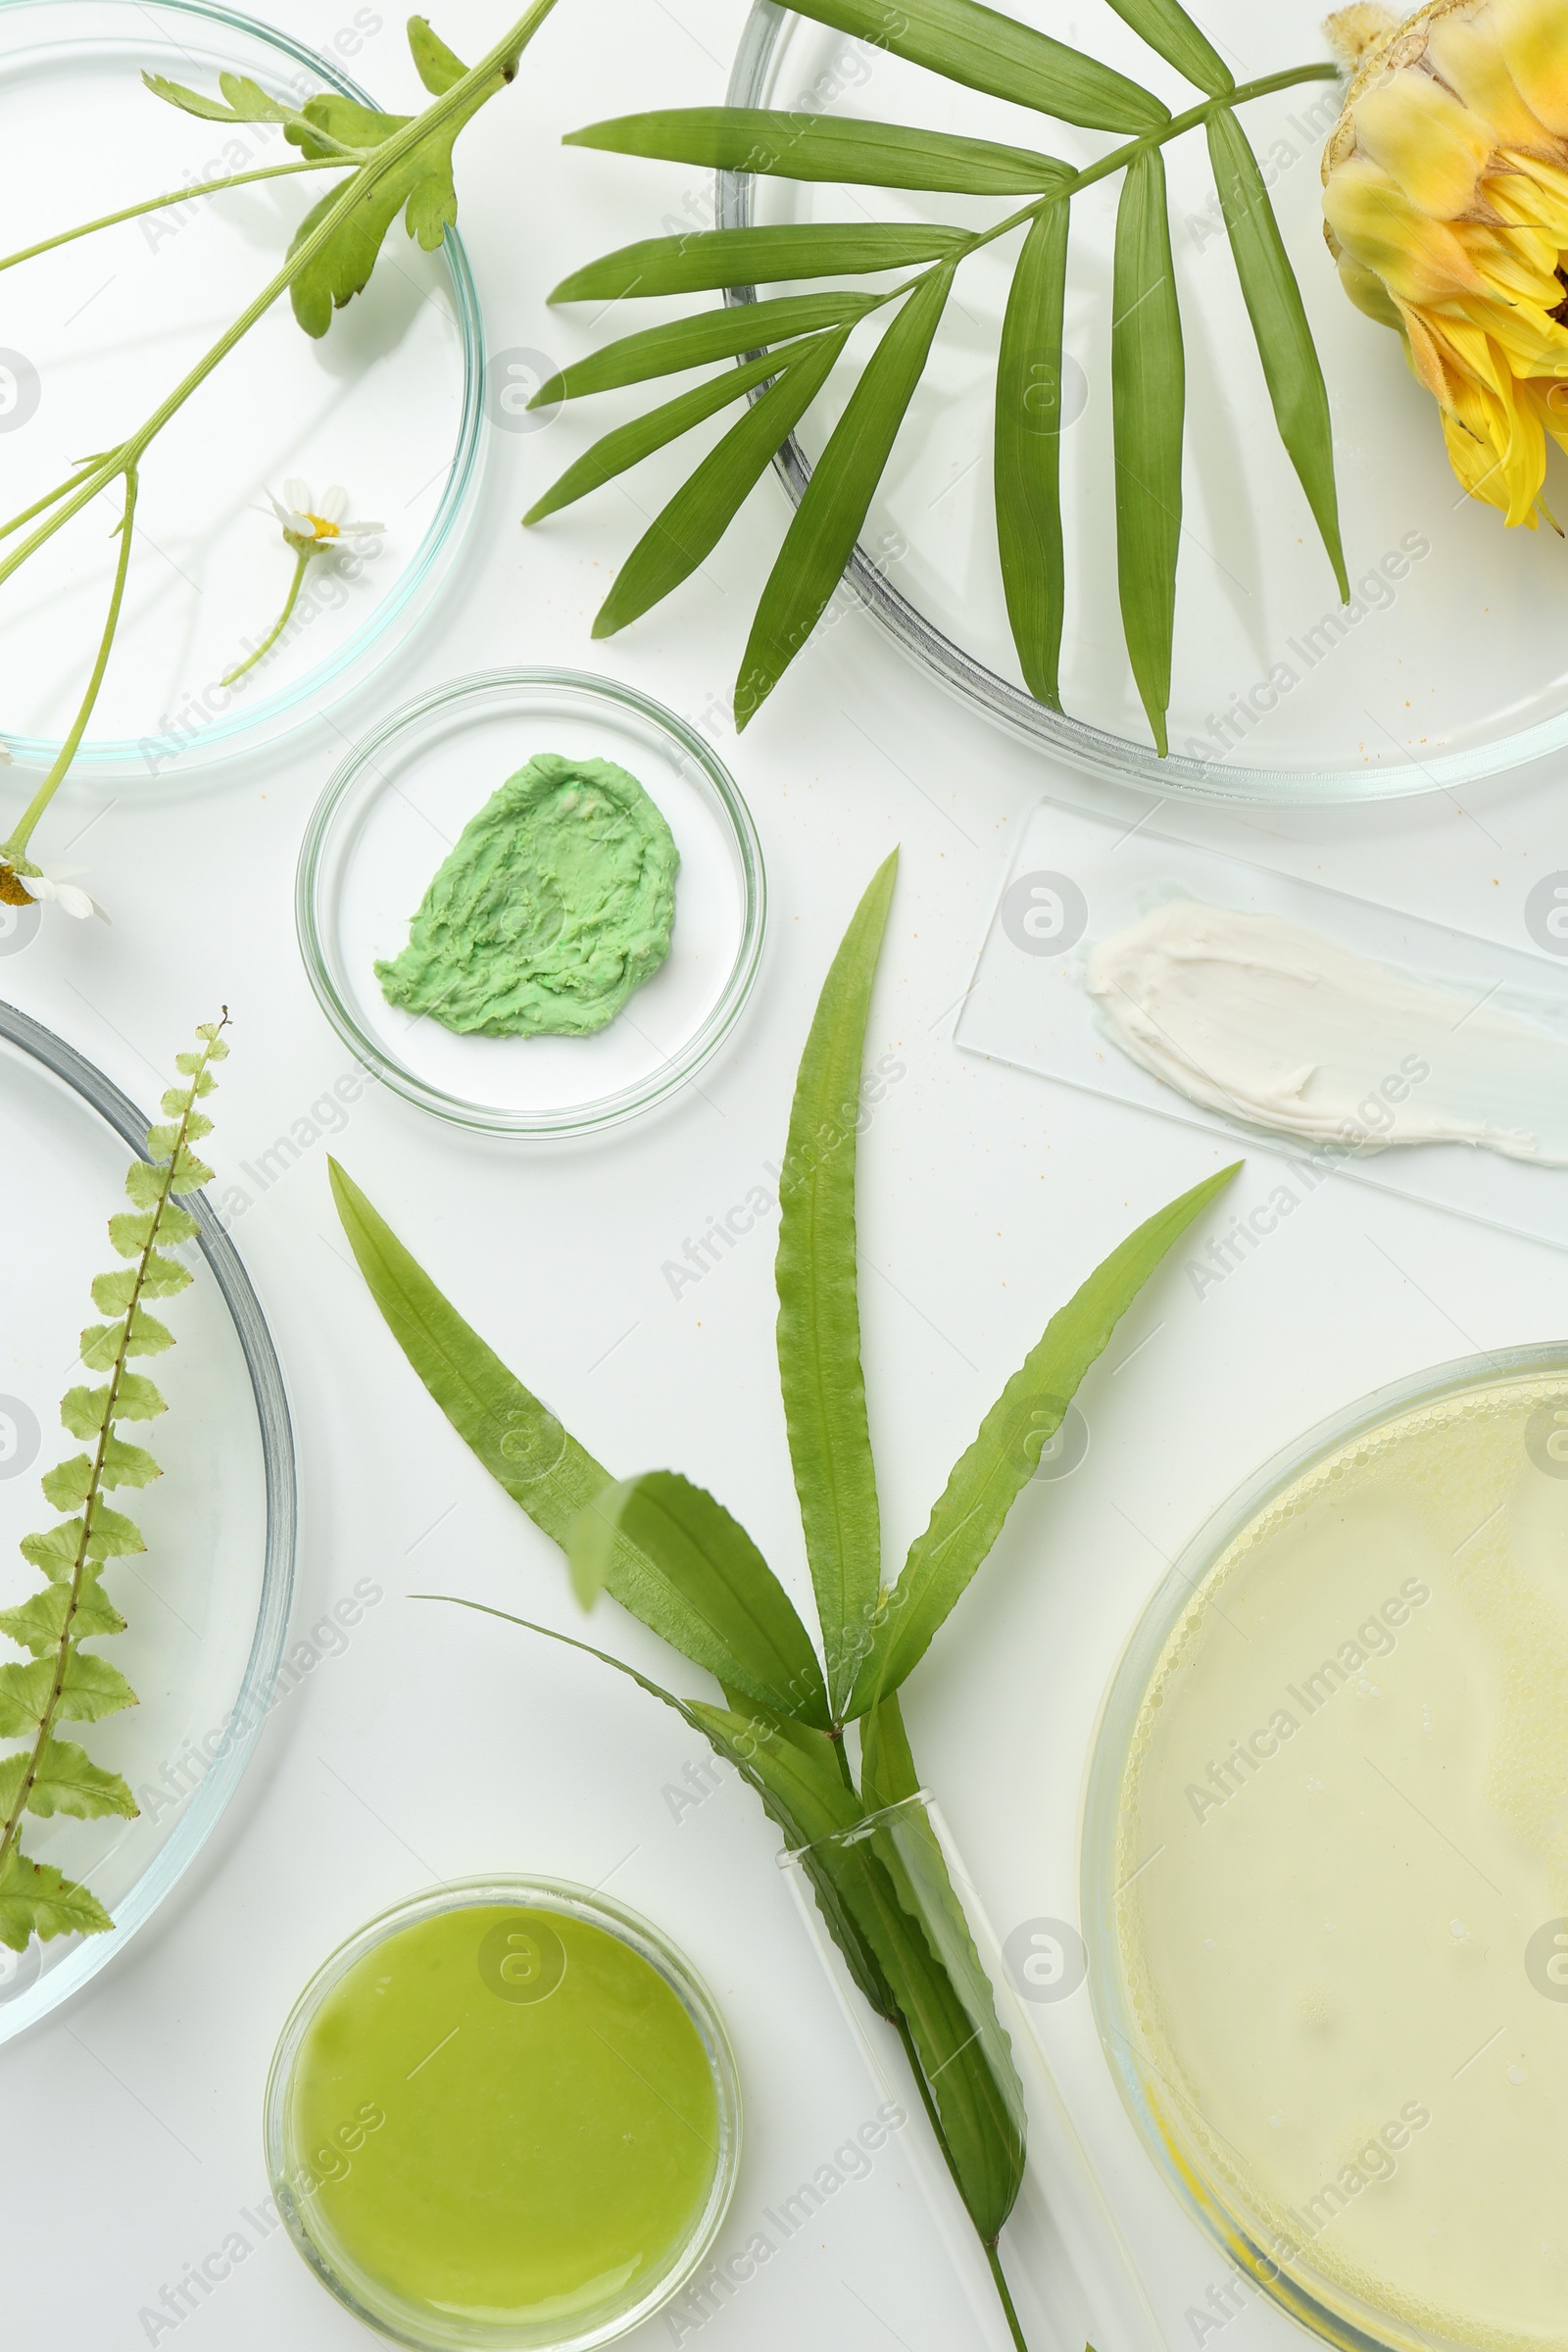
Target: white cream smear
(1342,1856)
(1281,1028)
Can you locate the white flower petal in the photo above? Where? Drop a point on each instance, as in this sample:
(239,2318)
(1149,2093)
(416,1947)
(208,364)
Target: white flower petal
(360,530)
(296,493)
(39,886)
(334,503)
(73,900)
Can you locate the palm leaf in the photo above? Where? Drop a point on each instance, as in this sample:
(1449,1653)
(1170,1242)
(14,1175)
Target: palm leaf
(751,257)
(882,155)
(1167,28)
(1285,343)
(1148,386)
(695,342)
(827,522)
(704,508)
(1028,455)
(990,52)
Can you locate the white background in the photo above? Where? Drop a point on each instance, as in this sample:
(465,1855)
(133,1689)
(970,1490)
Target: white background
(440,1743)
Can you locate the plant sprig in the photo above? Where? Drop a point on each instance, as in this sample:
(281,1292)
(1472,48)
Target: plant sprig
(788,345)
(673,1556)
(396,164)
(63,1682)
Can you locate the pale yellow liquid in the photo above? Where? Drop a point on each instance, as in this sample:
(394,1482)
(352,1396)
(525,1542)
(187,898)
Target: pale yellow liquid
(1325,1948)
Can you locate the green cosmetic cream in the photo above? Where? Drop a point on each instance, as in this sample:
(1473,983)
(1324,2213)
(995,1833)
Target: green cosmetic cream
(502,2123)
(1342,1882)
(558,900)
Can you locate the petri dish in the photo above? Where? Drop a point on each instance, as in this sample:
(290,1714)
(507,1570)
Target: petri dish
(394,810)
(1325,1866)
(388,405)
(207,1605)
(1447,667)
(505,2114)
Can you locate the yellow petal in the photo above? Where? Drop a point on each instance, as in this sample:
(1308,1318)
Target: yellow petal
(1368,292)
(1418,258)
(1465,52)
(1532,35)
(1425,139)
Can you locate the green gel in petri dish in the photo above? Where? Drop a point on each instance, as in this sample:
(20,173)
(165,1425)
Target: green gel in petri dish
(509,2121)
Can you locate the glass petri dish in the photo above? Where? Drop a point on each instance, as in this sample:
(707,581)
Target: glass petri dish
(1447,667)
(393,812)
(207,1606)
(505,2114)
(1325,1866)
(389,404)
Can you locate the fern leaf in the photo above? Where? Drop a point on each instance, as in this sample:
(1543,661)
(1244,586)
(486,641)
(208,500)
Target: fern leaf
(36,1899)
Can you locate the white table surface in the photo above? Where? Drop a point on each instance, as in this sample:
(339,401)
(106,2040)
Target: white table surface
(438,1745)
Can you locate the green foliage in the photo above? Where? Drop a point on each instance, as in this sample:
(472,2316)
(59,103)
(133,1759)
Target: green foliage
(990,52)
(673,1556)
(62,1681)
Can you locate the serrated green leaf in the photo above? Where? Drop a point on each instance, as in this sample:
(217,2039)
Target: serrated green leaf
(38,1623)
(132,1230)
(163,1277)
(69,1484)
(818,1311)
(1148,390)
(438,66)
(702,509)
(99,1346)
(127,1465)
(758,1645)
(26,1689)
(987,50)
(162,1140)
(112,1293)
(35,1899)
(112,1535)
(190,1173)
(710,335)
(148,1336)
(1291,366)
(56,1552)
(1168,28)
(827,522)
(137,1399)
(250,101)
(1028,455)
(66,1781)
(243,100)
(92,1689)
(189,1062)
(217,1043)
(833,147)
(754,257)
(82,1410)
(346,124)
(987,1481)
(629,444)
(144,1183)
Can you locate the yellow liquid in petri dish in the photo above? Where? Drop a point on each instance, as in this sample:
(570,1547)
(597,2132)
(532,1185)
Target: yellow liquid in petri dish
(1342,1856)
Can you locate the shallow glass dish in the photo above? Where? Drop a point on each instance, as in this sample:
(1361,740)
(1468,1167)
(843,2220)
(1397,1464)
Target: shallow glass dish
(393,812)
(207,1606)
(1450,666)
(505,1997)
(388,404)
(1325,1872)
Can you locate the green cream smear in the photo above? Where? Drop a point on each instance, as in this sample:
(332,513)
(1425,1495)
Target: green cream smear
(557,902)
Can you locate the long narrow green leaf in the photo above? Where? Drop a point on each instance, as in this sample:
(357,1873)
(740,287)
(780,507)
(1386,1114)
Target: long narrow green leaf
(630,443)
(1166,27)
(1285,345)
(993,1472)
(754,257)
(695,342)
(702,509)
(1148,390)
(827,521)
(518,1440)
(1028,455)
(819,1310)
(717,1570)
(995,53)
(835,147)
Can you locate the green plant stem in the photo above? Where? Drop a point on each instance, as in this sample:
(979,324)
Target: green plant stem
(46,1724)
(153,204)
(49,498)
(1012,2317)
(499,63)
(17,846)
(301,565)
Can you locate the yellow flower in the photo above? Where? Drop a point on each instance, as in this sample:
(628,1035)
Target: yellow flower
(1445,206)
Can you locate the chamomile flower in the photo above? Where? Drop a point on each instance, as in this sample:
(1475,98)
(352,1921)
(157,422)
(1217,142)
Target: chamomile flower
(48,886)
(310,528)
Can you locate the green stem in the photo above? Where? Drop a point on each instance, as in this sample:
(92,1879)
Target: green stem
(38,504)
(46,1722)
(17,846)
(995,2259)
(301,563)
(153,204)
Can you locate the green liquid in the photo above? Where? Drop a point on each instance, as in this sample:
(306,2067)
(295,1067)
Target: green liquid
(503,2115)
